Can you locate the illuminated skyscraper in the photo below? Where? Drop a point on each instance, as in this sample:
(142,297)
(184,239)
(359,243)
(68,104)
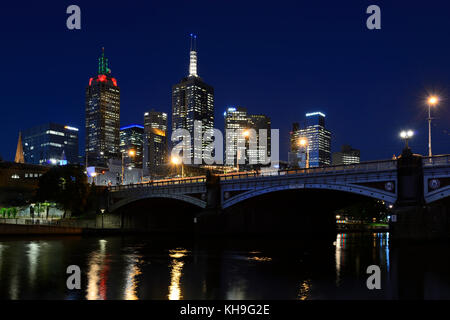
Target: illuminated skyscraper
(51,144)
(237,121)
(193,100)
(155,142)
(132,138)
(319,141)
(102,116)
(347,155)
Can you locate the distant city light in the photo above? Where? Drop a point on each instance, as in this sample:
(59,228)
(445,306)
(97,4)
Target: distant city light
(132,126)
(315,114)
(71,128)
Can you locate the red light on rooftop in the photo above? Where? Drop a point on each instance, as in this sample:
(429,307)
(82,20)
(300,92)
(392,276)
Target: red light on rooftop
(101,77)
(90,81)
(114,81)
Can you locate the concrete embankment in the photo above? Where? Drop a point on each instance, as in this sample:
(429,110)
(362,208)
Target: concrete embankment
(15,229)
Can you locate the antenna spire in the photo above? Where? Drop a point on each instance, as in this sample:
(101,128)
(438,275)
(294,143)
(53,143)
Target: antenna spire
(103,63)
(193,56)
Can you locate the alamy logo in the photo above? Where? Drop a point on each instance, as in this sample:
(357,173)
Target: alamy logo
(206,146)
(74,280)
(374,281)
(74,20)
(374,20)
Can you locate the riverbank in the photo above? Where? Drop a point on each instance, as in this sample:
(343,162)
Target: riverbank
(357,227)
(18,229)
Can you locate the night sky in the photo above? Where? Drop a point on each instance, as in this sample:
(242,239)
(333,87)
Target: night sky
(278,58)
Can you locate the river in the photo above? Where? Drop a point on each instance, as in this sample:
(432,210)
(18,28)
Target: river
(142,267)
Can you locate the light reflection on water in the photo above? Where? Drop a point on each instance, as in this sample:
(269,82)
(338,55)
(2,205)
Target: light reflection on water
(132,269)
(176,272)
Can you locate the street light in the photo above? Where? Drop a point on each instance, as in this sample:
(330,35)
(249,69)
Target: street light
(245,134)
(303,142)
(130,153)
(406,135)
(432,101)
(176,161)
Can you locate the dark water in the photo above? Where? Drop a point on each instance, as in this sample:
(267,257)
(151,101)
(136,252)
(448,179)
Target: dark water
(148,268)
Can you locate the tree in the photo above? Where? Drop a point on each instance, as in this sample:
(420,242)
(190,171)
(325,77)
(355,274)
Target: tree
(67,186)
(366,210)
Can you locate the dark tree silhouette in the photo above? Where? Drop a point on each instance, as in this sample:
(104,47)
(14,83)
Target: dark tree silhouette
(67,186)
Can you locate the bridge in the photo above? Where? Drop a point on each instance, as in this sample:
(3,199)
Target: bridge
(377,179)
(411,180)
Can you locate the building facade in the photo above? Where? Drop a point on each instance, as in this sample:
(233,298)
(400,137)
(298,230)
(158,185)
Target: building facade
(193,102)
(317,151)
(242,130)
(102,116)
(347,155)
(132,139)
(50,144)
(155,142)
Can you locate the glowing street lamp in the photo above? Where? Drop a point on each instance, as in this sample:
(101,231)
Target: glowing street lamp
(406,135)
(245,134)
(176,161)
(130,153)
(432,101)
(303,142)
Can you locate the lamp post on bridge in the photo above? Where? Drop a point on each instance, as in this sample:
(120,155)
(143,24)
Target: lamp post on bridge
(304,143)
(406,135)
(176,161)
(432,101)
(130,153)
(245,134)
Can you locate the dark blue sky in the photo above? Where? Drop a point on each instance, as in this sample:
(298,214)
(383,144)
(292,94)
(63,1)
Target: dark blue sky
(281,58)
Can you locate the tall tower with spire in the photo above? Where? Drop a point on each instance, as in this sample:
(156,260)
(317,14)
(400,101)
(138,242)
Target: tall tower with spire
(193,100)
(102,116)
(19,151)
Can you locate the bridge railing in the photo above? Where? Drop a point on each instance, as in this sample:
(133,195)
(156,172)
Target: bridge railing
(160,183)
(441,160)
(357,167)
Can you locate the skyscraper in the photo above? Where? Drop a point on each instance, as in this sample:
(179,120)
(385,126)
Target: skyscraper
(51,143)
(318,140)
(132,138)
(237,121)
(155,142)
(261,122)
(347,155)
(102,116)
(193,100)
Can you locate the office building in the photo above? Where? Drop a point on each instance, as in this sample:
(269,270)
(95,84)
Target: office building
(132,139)
(193,100)
(50,144)
(102,116)
(317,151)
(155,142)
(347,155)
(237,141)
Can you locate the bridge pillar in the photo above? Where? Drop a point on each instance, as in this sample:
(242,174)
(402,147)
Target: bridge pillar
(209,221)
(412,218)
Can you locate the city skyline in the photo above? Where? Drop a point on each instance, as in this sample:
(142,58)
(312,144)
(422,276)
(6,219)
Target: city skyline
(378,104)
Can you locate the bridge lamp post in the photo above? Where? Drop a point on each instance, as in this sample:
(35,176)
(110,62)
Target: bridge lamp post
(176,161)
(304,143)
(130,153)
(406,135)
(245,134)
(432,101)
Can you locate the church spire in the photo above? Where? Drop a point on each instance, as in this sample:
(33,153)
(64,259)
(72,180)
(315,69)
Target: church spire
(19,152)
(103,64)
(193,57)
